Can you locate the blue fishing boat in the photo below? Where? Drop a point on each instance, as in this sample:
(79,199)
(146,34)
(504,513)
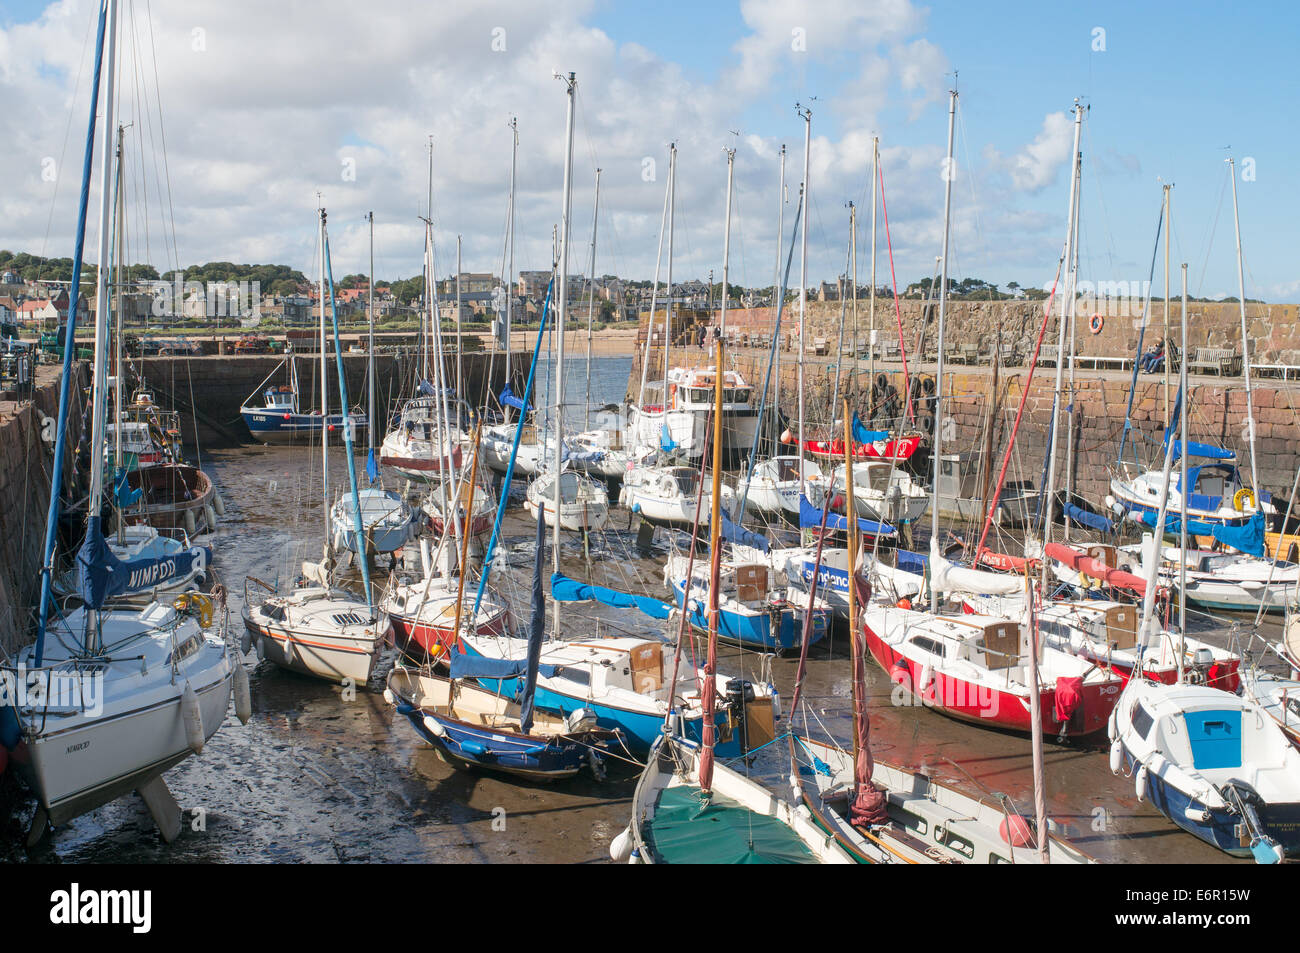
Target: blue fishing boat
(278,419)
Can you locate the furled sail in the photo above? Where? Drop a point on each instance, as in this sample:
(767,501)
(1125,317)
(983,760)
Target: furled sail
(101,575)
(565,589)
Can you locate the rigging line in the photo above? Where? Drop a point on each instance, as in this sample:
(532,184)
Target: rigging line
(1101,196)
(1214,230)
(153,46)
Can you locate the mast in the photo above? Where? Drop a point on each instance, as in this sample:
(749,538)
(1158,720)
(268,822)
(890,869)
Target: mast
(510,269)
(370,342)
(1182,492)
(937,446)
(460,387)
(668,307)
(1062,322)
(571,86)
(709,681)
(117,337)
(726,249)
(853,276)
(1036,720)
(100,377)
(803,275)
(1072,283)
(324,395)
(1169,227)
(1245,338)
(777,295)
(875,184)
(654,290)
(591,298)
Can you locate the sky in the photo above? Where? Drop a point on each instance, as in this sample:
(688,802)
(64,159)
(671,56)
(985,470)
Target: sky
(245,116)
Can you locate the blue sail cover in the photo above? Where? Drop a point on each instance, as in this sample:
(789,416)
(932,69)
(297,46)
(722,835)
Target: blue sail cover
(564,589)
(509,399)
(666,442)
(425,389)
(480,666)
(581,457)
(811,518)
(735,533)
(1173,525)
(101,575)
(862,435)
(1248,537)
(372,468)
(1085,518)
(1206,450)
(122,492)
(536,631)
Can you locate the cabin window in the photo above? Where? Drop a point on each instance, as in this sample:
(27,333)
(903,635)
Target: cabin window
(579,676)
(998,859)
(1142,720)
(954,842)
(914,822)
(929,645)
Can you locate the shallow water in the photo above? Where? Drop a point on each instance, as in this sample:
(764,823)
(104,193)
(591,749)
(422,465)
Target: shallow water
(320,776)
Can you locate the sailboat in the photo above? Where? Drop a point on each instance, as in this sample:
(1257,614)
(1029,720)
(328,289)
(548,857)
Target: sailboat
(316,628)
(688,808)
(387,521)
(107,699)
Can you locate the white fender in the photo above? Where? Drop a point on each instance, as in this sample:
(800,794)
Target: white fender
(1140,784)
(193,718)
(243,696)
(1116,756)
(620,848)
(389,697)
(434,728)
(927,676)
(261,649)
(210,515)
(219,504)
(189,522)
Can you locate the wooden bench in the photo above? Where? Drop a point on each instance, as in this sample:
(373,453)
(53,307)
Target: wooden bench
(1219,360)
(819,347)
(1099,361)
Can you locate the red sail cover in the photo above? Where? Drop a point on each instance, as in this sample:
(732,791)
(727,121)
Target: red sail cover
(899,448)
(1097,570)
(869,802)
(1069,694)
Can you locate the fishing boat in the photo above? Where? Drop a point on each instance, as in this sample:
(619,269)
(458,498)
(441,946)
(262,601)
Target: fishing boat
(317,628)
(108,698)
(583,503)
(278,419)
(174,496)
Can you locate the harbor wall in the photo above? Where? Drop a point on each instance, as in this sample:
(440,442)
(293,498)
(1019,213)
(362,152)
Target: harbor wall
(209,390)
(26,469)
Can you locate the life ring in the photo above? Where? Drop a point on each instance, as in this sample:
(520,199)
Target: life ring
(1241,496)
(196,603)
(1096,323)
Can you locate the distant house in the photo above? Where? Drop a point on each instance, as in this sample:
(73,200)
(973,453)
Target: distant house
(9,277)
(40,310)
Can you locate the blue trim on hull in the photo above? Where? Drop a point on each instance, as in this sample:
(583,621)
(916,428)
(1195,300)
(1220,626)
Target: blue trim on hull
(755,631)
(496,752)
(272,426)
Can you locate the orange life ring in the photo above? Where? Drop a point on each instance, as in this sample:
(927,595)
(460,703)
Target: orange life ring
(1096,323)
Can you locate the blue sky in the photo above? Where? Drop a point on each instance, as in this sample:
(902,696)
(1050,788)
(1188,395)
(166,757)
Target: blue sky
(257,127)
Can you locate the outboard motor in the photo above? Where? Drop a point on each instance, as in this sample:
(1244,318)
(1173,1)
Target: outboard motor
(739,694)
(580,720)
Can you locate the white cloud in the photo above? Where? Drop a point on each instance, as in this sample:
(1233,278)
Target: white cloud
(1035,167)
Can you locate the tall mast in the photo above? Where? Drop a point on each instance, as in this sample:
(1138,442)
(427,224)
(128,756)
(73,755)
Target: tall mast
(715,583)
(1169,228)
(853,276)
(117,336)
(510,269)
(1072,283)
(324,394)
(460,386)
(1067,304)
(726,248)
(668,307)
(776,306)
(591,298)
(571,86)
(875,201)
(1245,338)
(654,292)
(937,451)
(98,395)
(1182,492)
(370,343)
(803,274)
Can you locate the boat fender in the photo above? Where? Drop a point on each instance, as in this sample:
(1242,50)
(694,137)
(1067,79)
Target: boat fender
(389,697)
(1116,756)
(776,701)
(210,515)
(620,848)
(1112,726)
(193,718)
(472,747)
(189,522)
(1140,784)
(219,504)
(1015,831)
(636,508)
(1197,815)
(261,649)
(431,725)
(243,696)
(596,763)
(927,676)
(900,674)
